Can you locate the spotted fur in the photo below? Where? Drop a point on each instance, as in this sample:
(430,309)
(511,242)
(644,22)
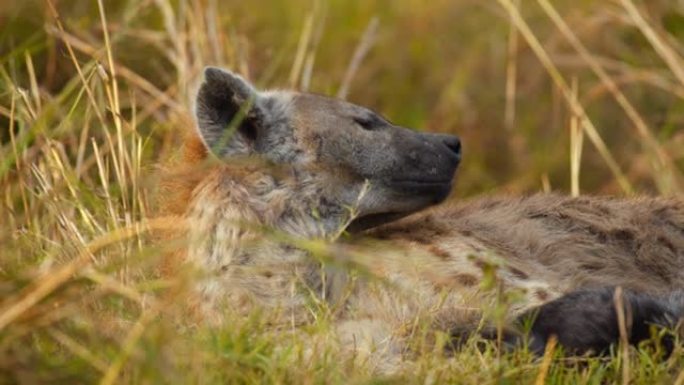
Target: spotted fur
(271,171)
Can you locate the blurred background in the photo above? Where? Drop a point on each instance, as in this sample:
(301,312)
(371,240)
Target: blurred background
(452,66)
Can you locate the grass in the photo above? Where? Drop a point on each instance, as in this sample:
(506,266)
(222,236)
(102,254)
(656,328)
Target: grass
(576,96)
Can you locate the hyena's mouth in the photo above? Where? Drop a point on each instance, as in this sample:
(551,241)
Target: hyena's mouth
(432,191)
(413,183)
(373,220)
(416,195)
(443,180)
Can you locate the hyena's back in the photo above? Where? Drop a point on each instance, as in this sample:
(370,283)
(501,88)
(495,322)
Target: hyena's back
(567,256)
(569,242)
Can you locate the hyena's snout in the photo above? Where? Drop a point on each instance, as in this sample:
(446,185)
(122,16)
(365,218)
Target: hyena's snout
(437,165)
(418,172)
(429,163)
(453,144)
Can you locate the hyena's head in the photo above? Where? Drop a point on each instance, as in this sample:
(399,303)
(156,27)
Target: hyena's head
(343,148)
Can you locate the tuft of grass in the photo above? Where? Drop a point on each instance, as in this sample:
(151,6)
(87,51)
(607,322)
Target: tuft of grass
(94,95)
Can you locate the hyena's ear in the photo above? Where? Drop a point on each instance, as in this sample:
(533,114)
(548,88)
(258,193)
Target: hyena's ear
(228,115)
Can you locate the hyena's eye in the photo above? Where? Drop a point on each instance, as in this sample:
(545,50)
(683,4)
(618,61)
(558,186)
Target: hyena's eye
(370,123)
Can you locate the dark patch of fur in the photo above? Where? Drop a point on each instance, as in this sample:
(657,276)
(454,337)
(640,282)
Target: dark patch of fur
(586,321)
(443,254)
(518,273)
(541,294)
(466,279)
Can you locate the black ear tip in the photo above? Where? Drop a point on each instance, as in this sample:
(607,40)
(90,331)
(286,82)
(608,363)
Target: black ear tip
(214,73)
(218,78)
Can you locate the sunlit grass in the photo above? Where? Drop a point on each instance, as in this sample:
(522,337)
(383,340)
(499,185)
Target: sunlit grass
(576,96)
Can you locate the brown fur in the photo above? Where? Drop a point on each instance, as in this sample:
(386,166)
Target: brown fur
(637,243)
(180,178)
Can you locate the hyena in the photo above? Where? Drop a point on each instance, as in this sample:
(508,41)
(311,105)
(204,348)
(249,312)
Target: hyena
(283,169)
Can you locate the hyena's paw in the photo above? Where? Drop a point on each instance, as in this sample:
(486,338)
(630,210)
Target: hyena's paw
(586,321)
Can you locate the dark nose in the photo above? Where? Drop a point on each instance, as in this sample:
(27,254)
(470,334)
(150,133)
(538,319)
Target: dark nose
(454,144)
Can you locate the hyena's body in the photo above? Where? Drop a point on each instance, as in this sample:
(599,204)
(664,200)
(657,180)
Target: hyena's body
(295,167)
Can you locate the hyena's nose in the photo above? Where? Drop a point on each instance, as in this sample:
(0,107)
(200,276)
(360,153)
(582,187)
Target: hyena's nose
(454,144)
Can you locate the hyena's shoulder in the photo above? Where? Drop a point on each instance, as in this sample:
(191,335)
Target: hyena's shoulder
(179,177)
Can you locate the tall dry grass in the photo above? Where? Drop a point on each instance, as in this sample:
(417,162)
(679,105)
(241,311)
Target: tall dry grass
(571,96)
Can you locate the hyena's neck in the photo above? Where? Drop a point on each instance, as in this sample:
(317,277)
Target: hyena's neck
(307,211)
(243,232)
(235,211)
